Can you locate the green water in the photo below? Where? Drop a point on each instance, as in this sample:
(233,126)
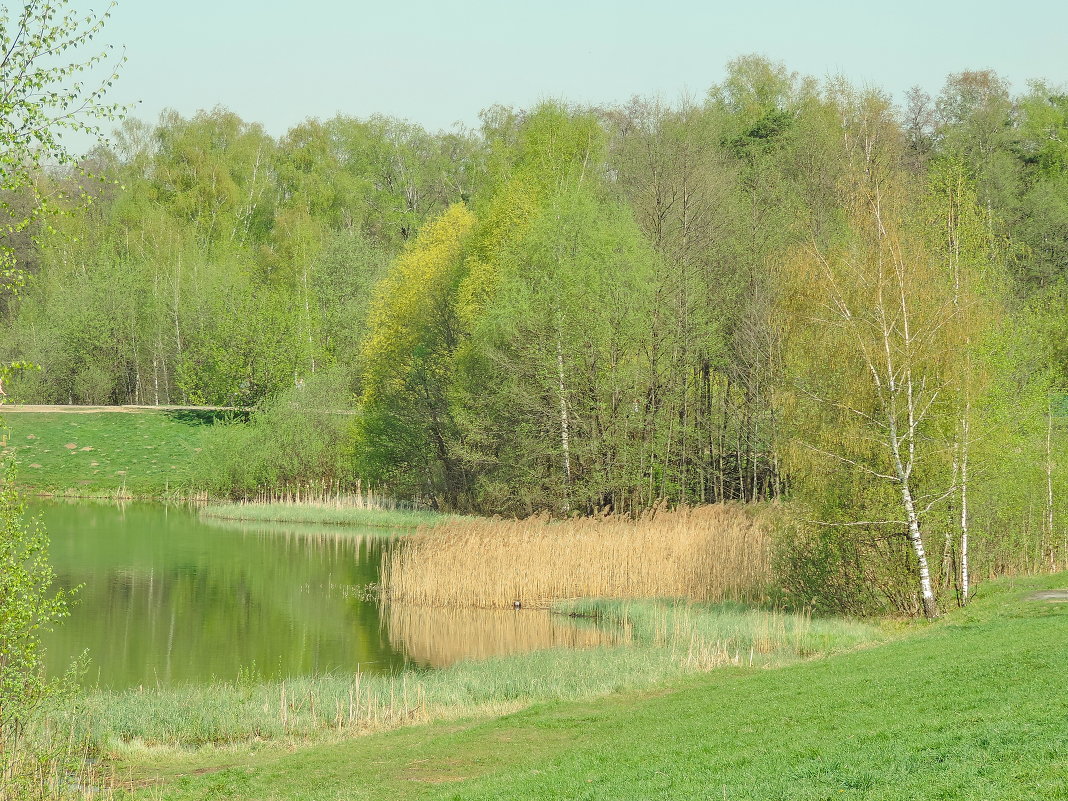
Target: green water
(168,598)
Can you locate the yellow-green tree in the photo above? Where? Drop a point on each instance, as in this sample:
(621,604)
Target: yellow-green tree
(405,425)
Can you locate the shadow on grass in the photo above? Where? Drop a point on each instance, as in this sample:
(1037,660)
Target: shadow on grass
(207,417)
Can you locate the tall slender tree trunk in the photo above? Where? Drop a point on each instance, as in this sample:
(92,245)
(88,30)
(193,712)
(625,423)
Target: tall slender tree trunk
(722,472)
(565,427)
(177,303)
(964,575)
(684,455)
(927,596)
(307,316)
(1049,483)
(948,572)
(775,470)
(903,466)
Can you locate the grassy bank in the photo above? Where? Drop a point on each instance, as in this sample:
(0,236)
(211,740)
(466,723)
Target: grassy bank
(971,707)
(340,513)
(142,453)
(666,641)
(704,553)
(159,454)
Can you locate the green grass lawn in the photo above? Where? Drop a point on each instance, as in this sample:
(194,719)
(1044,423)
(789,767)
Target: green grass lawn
(972,707)
(143,453)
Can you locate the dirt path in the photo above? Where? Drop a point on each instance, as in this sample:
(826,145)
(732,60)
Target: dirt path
(1052,596)
(20,407)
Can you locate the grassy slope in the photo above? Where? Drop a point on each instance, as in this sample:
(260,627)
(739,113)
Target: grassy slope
(146,452)
(973,707)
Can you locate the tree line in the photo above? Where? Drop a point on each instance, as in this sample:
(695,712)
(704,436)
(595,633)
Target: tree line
(787,289)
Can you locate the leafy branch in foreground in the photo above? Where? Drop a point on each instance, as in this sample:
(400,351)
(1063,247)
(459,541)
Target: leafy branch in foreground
(29,764)
(46,57)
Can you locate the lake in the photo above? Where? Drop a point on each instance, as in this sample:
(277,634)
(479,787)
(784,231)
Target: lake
(167,597)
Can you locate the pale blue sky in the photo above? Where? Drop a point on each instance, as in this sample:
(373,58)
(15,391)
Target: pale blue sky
(437,63)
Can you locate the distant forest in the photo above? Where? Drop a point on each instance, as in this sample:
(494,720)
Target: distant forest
(790,289)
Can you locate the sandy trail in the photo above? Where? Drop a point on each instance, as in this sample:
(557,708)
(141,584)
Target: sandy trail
(20,407)
(1052,596)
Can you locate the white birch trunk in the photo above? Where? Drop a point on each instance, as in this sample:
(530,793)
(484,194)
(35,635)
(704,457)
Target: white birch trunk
(307,318)
(930,604)
(1049,483)
(964,574)
(177,302)
(903,473)
(905,388)
(947,546)
(565,434)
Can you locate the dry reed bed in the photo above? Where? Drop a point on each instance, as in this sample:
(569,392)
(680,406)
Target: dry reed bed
(705,553)
(438,637)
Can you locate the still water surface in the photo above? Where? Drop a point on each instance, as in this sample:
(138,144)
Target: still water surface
(169,598)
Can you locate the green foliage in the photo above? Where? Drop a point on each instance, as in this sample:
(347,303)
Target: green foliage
(551,377)
(51,84)
(818,568)
(210,172)
(217,265)
(883,406)
(573,309)
(413,330)
(345,273)
(28,607)
(300,440)
(493,341)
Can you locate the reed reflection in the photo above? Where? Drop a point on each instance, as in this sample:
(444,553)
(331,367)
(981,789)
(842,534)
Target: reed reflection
(437,637)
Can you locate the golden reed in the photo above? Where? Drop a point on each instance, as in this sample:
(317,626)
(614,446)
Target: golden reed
(705,553)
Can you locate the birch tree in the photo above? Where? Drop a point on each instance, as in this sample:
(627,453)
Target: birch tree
(962,239)
(873,350)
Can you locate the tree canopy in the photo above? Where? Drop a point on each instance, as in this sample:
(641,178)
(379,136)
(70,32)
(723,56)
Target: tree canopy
(785,290)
